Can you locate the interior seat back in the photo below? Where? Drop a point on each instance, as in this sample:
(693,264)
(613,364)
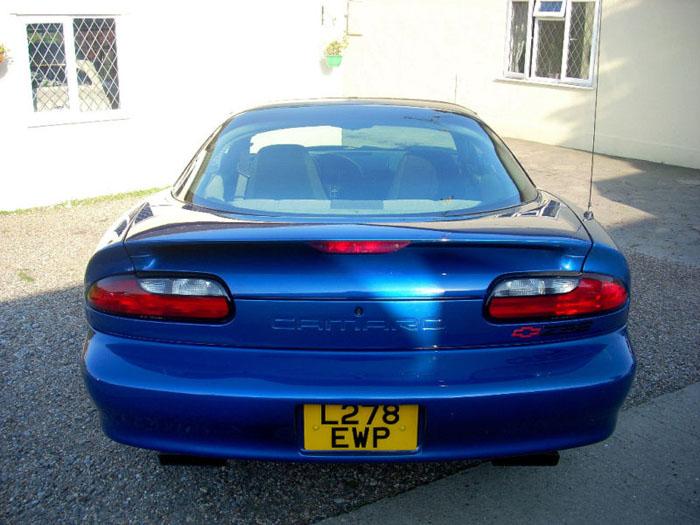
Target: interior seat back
(416,178)
(284,171)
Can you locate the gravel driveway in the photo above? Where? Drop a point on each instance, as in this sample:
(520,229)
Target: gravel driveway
(56,465)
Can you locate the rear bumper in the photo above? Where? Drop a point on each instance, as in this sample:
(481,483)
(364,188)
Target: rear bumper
(246,403)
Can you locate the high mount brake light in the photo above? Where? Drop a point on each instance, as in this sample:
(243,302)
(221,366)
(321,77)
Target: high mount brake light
(160,298)
(533,298)
(359,246)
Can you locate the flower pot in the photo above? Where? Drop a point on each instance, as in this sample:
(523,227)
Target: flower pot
(2,57)
(334,60)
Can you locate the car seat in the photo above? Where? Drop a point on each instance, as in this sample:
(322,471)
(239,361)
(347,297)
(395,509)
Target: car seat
(416,178)
(284,171)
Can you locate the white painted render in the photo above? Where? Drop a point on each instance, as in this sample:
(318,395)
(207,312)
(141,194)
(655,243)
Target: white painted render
(184,67)
(454,50)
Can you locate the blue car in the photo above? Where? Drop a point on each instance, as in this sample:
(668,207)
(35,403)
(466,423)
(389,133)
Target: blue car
(357,280)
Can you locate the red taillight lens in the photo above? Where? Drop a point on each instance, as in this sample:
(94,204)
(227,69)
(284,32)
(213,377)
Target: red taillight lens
(160,298)
(359,246)
(588,295)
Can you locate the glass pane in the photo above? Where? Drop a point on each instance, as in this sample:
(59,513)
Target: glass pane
(96,63)
(550,7)
(518,37)
(47,64)
(580,40)
(550,48)
(356,160)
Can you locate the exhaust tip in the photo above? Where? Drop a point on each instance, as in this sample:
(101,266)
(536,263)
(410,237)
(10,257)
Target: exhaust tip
(546,459)
(185,460)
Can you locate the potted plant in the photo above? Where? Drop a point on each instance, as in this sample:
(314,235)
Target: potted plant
(334,50)
(3,52)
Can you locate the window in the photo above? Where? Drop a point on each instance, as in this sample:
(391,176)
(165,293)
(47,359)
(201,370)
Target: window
(354,160)
(73,65)
(554,9)
(552,41)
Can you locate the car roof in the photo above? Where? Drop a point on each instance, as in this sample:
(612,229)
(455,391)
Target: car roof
(357,101)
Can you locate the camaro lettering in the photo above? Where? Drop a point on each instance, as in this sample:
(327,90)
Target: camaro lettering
(358,325)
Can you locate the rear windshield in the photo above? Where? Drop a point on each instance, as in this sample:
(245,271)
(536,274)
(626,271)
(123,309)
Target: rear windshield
(334,160)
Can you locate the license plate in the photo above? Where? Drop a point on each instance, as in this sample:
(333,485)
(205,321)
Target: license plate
(338,428)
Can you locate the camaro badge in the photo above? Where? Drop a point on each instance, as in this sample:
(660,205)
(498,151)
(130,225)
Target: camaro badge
(359,325)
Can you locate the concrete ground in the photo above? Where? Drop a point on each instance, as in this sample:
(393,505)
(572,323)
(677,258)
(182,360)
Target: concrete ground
(649,471)
(646,207)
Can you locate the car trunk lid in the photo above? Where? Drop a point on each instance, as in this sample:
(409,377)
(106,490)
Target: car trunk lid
(288,294)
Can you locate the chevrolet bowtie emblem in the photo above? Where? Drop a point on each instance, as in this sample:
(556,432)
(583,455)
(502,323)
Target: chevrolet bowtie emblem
(526,331)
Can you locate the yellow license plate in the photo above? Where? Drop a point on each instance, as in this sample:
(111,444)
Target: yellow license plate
(341,428)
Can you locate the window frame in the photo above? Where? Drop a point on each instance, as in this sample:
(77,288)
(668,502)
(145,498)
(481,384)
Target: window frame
(534,21)
(71,115)
(508,40)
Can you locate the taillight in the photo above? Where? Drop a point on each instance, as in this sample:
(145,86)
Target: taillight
(160,298)
(531,298)
(359,246)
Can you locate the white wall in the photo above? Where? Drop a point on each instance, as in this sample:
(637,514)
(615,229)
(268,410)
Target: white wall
(650,81)
(182,70)
(453,50)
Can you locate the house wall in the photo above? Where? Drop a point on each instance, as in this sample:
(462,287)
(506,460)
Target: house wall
(181,72)
(454,50)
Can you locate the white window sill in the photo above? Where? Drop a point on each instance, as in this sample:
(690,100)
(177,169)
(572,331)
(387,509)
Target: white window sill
(544,82)
(63,117)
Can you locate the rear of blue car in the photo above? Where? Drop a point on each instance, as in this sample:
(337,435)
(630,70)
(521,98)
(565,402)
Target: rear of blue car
(357,281)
